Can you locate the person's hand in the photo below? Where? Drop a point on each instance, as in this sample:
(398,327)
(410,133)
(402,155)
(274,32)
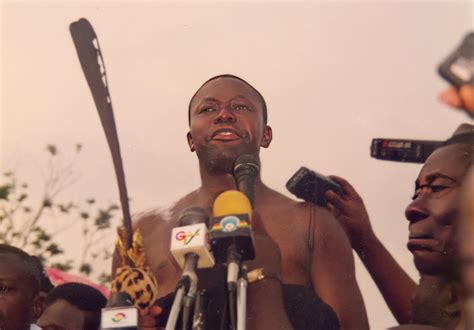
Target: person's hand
(147,317)
(350,211)
(462,98)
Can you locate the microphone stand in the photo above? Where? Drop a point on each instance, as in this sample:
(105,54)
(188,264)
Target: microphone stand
(233,269)
(175,309)
(199,319)
(242,284)
(187,285)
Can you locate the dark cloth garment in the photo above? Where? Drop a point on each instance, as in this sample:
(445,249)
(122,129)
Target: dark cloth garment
(304,308)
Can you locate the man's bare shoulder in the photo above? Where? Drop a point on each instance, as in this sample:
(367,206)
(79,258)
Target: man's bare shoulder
(300,209)
(152,219)
(280,207)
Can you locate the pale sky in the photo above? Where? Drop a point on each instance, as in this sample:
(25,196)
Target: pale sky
(334,75)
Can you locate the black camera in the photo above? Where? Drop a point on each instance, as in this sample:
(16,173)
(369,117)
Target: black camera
(410,151)
(311,186)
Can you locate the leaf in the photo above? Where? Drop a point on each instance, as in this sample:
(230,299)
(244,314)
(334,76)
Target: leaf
(64,266)
(90,201)
(43,236)
(65,208)
(47,202)
(54,249)
(22,197)
(86,268)
(105,278)
(27,209)
(8,174)
(37,243)
(84,215)
(102,220)
(52,149)
(5,191)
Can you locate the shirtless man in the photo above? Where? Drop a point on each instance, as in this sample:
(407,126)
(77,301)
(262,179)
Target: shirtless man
(228,118)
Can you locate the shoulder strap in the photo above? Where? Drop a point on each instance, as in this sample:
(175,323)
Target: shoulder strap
(311,229)
(310,242)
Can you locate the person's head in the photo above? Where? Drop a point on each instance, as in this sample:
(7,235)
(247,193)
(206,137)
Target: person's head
(45,284)
(466,248)
(19,288)
(227,118)
(435,211)
(72,306)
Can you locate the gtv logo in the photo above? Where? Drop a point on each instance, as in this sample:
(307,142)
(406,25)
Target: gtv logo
(119,317)
(186,237)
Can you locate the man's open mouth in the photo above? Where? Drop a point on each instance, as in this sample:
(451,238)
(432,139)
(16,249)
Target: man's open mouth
(225,134)
(421,242)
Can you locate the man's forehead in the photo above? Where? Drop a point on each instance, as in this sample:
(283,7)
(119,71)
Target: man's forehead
(227,88)
(447,160)
(63,313)
(12,269)
(11,260)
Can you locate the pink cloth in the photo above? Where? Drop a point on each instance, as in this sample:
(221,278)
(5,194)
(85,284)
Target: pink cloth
(57,277)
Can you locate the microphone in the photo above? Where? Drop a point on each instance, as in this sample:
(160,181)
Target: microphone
(119,313)
(230,225)
(231,239)
(190,248)
(246,169)
(191,238)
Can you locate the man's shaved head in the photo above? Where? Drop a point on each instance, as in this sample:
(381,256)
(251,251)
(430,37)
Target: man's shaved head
(264,104)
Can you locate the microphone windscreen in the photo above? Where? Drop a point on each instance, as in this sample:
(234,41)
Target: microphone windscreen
(231,202)
(246,159)
(119,299)
(193,215)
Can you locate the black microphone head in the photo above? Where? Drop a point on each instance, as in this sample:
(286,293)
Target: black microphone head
(120,299)
(193,215)
(246,162)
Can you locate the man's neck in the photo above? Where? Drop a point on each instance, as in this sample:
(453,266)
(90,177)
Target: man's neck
(213,183)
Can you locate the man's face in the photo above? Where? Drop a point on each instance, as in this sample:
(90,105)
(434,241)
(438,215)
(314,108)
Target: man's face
(16,294)
(435,211)
(226,121)
(466,233)
(61,315)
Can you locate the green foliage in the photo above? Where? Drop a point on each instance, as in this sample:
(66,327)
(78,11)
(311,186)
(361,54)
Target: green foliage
(64,266)
(5,191)
(52,149)
(29,227)
(86,268)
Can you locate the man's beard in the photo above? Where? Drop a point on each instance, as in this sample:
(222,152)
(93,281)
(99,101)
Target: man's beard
(221,159)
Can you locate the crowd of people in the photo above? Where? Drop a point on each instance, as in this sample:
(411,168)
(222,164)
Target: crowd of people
(314,284)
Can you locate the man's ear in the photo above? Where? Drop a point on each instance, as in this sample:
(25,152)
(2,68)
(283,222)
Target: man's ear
(39,302)
(267,137)
(190,141)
